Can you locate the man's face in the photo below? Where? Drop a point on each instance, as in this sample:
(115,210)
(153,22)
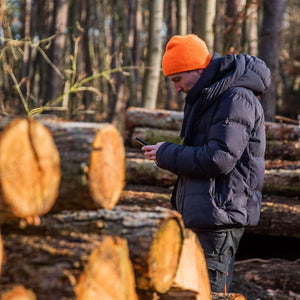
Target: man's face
(186,80)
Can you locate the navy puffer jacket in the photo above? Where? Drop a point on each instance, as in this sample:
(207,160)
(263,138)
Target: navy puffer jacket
(221,162)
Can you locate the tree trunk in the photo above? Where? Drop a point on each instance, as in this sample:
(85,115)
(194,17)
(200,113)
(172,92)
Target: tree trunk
(206,16)
(57,50)
(84,56)
(25,89)
(251,28)
(152,67)
(29,168)
(235,16)
(127,54)
(269,50)
(181,17)
(219,25)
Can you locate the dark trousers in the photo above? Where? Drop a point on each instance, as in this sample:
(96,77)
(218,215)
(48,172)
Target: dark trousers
(219,249)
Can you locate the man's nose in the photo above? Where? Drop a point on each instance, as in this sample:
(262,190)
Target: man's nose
(177,87)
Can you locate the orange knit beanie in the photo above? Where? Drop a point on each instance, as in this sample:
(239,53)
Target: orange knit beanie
(185,53)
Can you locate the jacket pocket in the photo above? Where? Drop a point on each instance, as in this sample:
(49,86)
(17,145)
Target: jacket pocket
(180,194)
(220,191)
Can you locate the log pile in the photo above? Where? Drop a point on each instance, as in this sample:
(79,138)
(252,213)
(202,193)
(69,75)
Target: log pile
(85,250)
(97,240)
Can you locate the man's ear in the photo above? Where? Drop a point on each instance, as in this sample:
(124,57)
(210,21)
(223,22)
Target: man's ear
(200,71)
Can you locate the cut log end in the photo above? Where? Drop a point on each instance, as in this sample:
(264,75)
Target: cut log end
(18,293)
(108,274)
(108,153)
(29,168)
(164,254)
(1,253)
(192,271)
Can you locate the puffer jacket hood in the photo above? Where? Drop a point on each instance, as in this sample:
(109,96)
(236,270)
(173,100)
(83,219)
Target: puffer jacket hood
(232,71)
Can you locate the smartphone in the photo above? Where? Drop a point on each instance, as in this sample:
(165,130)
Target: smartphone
(143,143)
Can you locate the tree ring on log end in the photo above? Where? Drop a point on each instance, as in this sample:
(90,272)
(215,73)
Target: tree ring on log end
(164,254)
(107,167)
(29,168)
(108,273)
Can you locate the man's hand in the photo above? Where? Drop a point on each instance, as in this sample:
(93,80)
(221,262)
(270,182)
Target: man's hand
(150,150)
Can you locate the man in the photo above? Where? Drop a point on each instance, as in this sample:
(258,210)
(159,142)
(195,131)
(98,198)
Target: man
(220,165)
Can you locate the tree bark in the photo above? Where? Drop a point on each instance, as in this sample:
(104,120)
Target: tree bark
(54,79)
(127,54)
(181,14)
(25,89)
(206,16)
(152,71)
(233,32)
(219,27)
(251,24)
(157,118)
(29,168)
(142,171)
(1,253)
(272,274)
(92,163)
(228,296)
(177,293)
(269,50)
(282,182)
(278,219)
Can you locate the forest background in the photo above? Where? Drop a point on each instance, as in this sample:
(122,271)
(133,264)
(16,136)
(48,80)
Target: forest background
(88,60)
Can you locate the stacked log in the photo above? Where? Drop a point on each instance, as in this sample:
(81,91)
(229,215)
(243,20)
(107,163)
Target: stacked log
(59,165)
(92,164)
